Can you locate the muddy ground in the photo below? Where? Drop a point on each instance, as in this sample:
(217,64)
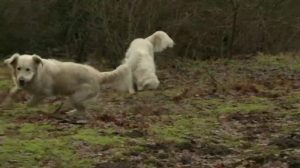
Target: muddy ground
(212,114)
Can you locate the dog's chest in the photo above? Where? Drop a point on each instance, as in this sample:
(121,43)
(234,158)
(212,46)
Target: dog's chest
(58,89)
(39,90)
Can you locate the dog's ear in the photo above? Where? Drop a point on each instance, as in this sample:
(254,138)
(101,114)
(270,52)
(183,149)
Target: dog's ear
(12,61)
(160,41)
(37,59)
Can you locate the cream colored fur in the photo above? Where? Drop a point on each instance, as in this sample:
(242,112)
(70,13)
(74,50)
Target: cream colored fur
(140,58)
(49,77)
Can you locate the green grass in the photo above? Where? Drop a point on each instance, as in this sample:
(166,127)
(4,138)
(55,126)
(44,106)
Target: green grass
(241,107)
(185,128)
(93,137)
(3,126)
(36,152)
(29,130)
(29,140)
(5,84)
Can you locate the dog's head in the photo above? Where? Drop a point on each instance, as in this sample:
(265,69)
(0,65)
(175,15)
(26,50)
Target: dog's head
(160,41)
(151,84)
(24,67)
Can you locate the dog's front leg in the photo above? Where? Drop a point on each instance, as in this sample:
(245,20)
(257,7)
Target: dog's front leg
(35,100)
(129,83)
(10,97)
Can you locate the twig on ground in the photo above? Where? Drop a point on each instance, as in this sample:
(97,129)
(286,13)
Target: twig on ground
(59,107)
(215,82)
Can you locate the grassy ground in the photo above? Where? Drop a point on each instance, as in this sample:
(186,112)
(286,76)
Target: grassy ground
(222,113)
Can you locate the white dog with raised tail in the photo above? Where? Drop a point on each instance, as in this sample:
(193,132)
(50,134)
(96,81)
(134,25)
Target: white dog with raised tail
(140,58)
(49,77)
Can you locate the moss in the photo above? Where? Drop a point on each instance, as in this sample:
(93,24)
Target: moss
(207,103)
(93,137)
(22,110)
(295,66)
(184,128)
(233,140)
(249,105)
(245,107)
(37,152)
(170,133)
(172,92)
(146,94)
(136,149)
(264,150)
(6,125)
(3,126)
(5,84)
(32,147)
(282,60)
(38,144)
(292,99)
(29,130)
(217,106)
(269,60)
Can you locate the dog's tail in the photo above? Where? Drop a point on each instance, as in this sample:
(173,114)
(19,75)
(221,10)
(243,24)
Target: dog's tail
(160,41)
(119,79)
(111,76)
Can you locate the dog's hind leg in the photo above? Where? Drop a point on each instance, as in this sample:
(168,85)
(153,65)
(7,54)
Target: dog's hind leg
(85,92)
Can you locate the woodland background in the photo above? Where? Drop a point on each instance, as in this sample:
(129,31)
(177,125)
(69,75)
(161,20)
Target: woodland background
(103,29)
(241,110)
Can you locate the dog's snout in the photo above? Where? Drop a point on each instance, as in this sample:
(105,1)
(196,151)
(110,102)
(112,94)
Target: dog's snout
(22,81)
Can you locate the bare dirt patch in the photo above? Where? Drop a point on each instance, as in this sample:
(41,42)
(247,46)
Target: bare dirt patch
(252,125)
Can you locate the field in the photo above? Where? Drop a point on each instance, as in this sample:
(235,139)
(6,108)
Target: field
(217,113)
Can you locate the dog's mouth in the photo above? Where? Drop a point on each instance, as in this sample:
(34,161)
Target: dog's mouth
(22,83)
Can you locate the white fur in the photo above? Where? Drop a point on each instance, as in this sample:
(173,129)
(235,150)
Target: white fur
(49,77)
(160,41)
(140,58)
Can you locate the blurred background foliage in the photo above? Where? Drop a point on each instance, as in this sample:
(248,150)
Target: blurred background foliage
(102,29)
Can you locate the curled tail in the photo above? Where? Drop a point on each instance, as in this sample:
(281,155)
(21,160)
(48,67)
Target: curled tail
(160,41)
(119,79)
(111,76)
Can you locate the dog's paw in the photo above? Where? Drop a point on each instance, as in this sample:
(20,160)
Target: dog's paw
(131,91)
(77,117)
(140,88)
(72,112)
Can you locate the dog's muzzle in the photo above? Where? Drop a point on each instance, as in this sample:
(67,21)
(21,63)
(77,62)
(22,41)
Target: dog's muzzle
(22,82)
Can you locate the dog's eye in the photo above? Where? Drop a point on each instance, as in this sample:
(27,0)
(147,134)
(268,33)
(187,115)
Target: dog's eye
(19,68)
(27,69)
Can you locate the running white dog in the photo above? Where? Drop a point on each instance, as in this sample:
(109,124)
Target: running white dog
(48,77)
(140,58)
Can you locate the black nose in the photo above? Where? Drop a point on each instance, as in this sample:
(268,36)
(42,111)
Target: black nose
(22,82)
